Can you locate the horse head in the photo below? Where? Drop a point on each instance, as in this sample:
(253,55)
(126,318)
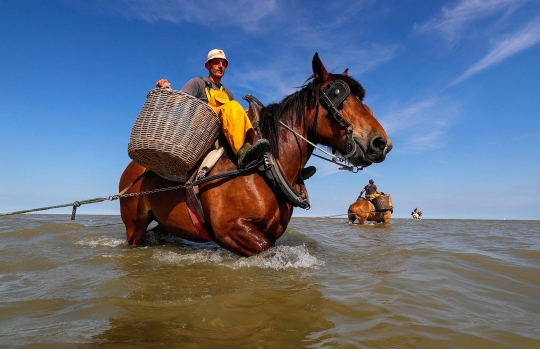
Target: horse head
(343,122)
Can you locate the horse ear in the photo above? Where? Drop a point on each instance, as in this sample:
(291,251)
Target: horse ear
(318,69)
(346,72)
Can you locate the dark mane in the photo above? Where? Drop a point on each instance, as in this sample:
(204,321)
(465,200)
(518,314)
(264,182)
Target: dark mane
(295,106)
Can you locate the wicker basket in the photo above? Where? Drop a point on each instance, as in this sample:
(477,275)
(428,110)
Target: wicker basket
(382,203)
(172,132)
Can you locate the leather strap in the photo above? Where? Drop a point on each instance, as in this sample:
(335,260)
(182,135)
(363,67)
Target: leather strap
(195,210)
(276,180)
(333,96)
(133,183)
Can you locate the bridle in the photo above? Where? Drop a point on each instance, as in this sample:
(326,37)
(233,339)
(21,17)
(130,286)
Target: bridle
(332,97)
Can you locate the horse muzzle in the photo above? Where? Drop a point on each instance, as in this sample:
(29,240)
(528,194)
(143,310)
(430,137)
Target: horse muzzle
(372,152)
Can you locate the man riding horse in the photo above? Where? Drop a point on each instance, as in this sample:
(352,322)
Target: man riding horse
(236,125)
(328,110)
(371,191)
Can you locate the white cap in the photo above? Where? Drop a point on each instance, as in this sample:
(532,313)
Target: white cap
(216,53)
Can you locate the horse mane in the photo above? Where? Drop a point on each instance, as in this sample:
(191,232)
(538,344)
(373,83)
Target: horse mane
(296,105)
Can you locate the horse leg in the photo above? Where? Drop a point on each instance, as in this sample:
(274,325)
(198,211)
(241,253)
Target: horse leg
(386,217)
(243,238)
(351,217)
(135,218)
(133,209)
(362,218)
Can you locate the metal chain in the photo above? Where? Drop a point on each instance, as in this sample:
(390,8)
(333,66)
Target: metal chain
(251,166)
(118,196)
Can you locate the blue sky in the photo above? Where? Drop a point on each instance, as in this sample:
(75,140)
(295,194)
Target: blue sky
(455,84)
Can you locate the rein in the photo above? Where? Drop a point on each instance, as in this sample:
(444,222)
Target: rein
(353,169)
(339,91)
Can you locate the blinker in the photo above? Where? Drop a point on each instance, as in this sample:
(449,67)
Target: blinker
(337,92)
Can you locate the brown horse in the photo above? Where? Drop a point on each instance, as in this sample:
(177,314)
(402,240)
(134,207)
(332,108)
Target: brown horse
(364,210)
(244,215)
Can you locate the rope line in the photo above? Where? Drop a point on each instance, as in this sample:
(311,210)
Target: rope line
(74,204)
(105,225)
(334,215)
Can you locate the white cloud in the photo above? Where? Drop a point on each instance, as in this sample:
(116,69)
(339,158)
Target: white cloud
(405,117)
(420,127)
(242,13)
(245,14)
(452,21)
(424,142)
(275,80)
(359,60)
(525,38)
(282,75)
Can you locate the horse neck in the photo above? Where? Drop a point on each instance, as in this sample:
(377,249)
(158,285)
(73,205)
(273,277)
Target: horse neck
(294,152)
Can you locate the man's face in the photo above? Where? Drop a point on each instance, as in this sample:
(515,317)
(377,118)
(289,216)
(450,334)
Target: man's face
(217,67)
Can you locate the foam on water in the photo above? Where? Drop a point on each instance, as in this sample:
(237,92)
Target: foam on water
(278,258)
(102,241)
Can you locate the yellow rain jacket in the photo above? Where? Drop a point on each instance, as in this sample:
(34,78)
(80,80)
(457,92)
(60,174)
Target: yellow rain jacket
(234,119)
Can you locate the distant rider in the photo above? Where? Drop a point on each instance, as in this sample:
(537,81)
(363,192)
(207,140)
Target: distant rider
(371,191)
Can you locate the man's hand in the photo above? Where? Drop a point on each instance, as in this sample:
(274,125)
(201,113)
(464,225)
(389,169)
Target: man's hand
(163,83)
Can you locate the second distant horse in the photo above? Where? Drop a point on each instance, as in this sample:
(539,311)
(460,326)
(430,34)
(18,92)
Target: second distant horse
(364,210)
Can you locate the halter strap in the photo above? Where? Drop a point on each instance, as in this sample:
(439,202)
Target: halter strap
(333,96)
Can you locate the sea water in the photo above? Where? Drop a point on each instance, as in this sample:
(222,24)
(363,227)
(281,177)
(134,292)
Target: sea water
(410,284)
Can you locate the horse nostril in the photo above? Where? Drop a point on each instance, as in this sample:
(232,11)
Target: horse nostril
(378,143)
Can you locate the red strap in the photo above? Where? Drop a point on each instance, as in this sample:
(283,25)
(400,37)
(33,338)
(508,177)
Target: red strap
(195,219)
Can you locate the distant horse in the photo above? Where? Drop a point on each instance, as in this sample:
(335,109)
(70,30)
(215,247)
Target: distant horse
(364,210)
(244,215)
(416,214)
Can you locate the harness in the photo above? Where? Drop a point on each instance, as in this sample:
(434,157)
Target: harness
(338,96)
(333,96)
(280,185)
(272,172)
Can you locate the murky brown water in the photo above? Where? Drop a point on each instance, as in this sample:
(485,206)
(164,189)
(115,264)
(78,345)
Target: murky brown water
(413,284)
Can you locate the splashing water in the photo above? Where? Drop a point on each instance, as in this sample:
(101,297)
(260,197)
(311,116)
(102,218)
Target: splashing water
(277,258)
